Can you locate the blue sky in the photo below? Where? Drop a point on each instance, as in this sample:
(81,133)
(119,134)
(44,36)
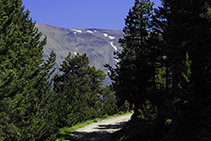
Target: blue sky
(81,14)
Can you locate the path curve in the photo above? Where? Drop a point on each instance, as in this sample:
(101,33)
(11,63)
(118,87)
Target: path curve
(100,131)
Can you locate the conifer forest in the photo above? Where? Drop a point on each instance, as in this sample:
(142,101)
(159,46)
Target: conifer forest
(163,69)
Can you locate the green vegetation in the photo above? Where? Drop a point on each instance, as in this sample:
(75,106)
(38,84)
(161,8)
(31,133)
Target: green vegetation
(80,93)
(25,92)
(34,101)
(164,70)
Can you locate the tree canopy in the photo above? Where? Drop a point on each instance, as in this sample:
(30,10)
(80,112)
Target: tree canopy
(163,69)
(165,66)
(34,101)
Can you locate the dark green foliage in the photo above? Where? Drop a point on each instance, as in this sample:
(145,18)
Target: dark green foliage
(125,107)
(143,123)
(79,90)
(188,33)
(29,109)
(108,101)
(134,73)
(25,93)
(181,93)
(148,113)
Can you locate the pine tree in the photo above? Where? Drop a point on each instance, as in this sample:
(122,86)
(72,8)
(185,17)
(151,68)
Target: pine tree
(135,72)
(183,28)
(186,30)
(108,101)
(24,89)
(78,88)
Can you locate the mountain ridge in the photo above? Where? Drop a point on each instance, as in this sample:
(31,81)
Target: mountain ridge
(98,44)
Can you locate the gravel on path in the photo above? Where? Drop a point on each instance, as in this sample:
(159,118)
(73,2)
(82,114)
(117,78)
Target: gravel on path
(100,131)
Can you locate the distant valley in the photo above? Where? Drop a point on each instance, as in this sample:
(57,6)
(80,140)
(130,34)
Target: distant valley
(98,44)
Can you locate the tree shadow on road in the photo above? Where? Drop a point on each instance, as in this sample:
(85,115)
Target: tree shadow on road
(102,134)
(91,136)
(110,126)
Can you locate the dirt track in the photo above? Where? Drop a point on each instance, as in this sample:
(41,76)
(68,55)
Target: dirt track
(100,131)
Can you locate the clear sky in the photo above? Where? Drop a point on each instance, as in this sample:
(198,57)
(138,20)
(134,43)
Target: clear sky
(81,14)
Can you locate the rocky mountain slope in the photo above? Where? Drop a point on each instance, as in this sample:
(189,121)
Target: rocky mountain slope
(98,44)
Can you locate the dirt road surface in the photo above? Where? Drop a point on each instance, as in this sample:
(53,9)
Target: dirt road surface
(100,131)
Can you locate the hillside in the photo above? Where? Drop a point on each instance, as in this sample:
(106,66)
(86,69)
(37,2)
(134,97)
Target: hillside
(98,44)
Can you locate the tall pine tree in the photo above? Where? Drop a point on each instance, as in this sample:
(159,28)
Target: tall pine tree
(78,87)
(24,89)
(185,31)
(134,73)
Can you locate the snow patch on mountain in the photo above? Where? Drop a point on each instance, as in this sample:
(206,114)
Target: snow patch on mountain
(105,34)
(89,31)
(75,53)
(112,44)
(76,30)
(111,37)
(95,30)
